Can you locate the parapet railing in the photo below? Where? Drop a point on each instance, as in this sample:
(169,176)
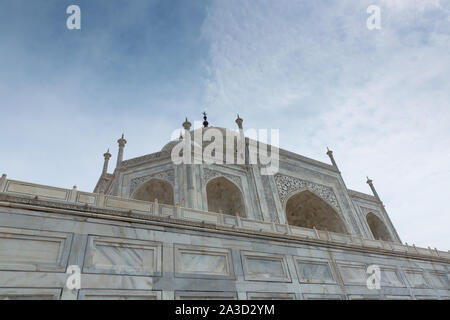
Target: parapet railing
(100,200)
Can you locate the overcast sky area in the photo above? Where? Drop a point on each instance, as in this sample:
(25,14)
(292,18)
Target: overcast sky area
(380,99)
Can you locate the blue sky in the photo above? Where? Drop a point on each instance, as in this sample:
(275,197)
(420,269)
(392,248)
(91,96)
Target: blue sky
(380,99)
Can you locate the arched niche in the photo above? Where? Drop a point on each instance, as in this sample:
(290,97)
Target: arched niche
(155,189)
(224,196)
(378,228)
(307,210)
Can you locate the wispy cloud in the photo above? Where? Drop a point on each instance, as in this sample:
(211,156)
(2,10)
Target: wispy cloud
(380,99)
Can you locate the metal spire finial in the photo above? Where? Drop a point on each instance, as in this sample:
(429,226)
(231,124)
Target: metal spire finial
(205,121)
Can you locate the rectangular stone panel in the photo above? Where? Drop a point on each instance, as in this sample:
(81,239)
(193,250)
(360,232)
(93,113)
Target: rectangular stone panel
(270,296)
(314,271)
(83,197)
(265,267)
(200,216)
(398,247)
(166,210)
(353,274)
(205,295)
(128,204)
(416,279)
(373,243)
(438,280)
(199,261)
(92,294)
(29,294)
(342,238)
(257,225)
(302,232)
(363,297)
(423,251)
(33,250)
(398,297)
(36,190)
(390,278)
(425,297)
(318,296)
(229,220)
(123,256)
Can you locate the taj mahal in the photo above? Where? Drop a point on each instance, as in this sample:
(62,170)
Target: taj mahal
(155,229)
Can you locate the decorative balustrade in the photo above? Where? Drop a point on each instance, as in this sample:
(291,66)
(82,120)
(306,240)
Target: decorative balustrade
(99,200)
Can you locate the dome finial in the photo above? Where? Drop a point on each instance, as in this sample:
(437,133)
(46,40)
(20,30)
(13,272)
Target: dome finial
(205,121)
(187,125)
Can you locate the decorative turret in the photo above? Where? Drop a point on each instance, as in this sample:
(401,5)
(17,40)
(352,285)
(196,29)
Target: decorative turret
(121,143)
(330,154)
(107,156)
(239,121)
(370,183)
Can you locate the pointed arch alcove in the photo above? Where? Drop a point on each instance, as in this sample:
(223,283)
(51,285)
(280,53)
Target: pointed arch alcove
(155,189)
(378,228)
(224,196)
(307,210)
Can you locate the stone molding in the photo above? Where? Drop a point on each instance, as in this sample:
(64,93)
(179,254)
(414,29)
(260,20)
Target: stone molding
(289,236)
(139,160)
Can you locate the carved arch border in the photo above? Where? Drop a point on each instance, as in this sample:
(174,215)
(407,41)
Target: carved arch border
(287,186)
(337,212)
(365,211)
(167,176)
(209,174)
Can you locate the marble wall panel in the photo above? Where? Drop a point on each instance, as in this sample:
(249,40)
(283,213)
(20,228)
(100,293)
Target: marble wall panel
(29,294)
(261,266)
(123,256)
(314,271)
(94,294)
(205,295)
(33,250)
(270,296)
(416,279)
(202,261)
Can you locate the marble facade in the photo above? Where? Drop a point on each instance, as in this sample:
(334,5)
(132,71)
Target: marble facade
(146,233)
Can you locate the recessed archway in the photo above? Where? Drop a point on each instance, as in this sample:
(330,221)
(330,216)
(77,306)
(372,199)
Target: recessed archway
(307,210)
(224,196)
(155,189)
(377,227)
